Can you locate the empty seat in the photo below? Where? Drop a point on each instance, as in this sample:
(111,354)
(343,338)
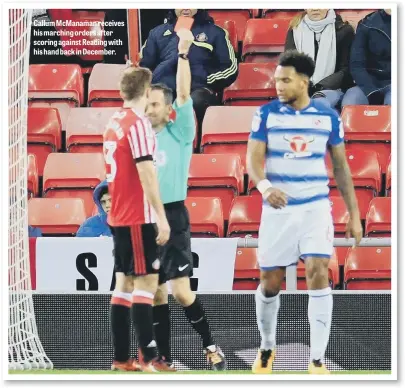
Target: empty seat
(73,175)
(378,219)
(206,217)
(366,175)
(32,177)
(353,16)
(230,27)
(255,85)
(85,128)
(244,218)
(226,129)
(61,107)
(218,176)
(264,36)
(277,14)
(56,216)
(44,134)
(246,273)
(368,268)
(56,83)
(340,215)
(104,85)
(388,180)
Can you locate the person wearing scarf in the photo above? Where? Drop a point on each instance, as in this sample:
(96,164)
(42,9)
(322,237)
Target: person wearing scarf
(322,34)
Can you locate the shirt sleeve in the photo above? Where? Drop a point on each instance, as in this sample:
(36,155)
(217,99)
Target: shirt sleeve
(184,126)
(259,130)
(141,146)
(336,136)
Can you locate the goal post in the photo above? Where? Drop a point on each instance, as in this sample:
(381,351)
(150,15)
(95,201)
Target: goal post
(25,350)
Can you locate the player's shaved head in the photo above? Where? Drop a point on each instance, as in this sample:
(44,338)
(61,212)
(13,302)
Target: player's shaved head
(134,83)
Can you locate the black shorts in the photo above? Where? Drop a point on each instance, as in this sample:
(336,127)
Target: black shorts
(176,256)
(135,249)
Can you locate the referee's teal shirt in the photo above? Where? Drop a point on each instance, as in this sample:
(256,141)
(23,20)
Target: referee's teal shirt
(174,150)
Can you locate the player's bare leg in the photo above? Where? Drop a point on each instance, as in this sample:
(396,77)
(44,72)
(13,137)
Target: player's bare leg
(320,307)
(144,289)
(120,307)
(267,306)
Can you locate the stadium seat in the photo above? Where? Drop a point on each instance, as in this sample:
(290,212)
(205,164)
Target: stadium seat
(252,190)
(378,219)
(264,36)
(206,217)
(32,176)
(85,128)
(225,130)
(255,85)
(44,134)
(104,85)
(277,14)
(218,176)
(56,216)
(230,27)
(246,273)
(61,107)
(366,174)
(368,268)
(353,16)
(388,179)
(340,215)
(368,125)
(73,175)
(244,217)
(56,83)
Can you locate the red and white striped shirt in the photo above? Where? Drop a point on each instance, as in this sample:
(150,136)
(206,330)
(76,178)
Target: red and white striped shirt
(128,139)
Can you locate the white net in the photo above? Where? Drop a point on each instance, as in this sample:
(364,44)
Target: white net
(24,347)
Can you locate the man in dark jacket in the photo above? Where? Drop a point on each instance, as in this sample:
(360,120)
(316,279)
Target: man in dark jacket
(96,226)
(212,59)
(370,61)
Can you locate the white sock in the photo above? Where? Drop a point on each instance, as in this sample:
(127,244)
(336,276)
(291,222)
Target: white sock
(320,307)
(266,313)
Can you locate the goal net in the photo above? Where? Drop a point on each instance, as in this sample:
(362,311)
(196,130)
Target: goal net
(24,347)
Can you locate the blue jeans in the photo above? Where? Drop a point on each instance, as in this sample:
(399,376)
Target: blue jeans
(332,98)
(355,96)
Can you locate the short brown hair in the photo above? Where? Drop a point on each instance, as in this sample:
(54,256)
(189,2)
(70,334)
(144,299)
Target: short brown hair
(134,82)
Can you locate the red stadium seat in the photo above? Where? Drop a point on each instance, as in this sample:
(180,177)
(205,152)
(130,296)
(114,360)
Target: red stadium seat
(104,85)
(56,83)
(366,174)
(353,16)
(378,219)
(388,180)
(44,134)
(340,215)
(255,85)
(244,218)
(272,14)
(218,176)
(368,268)
(85,128)
(206,217)
(247,273)
(73,175)
(32,177)
(230,27)
(264,36)
(226,129)
(61,107)
(56,216)
(368,126)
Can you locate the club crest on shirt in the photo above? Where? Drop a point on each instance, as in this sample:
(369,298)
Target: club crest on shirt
(202,37)
(298,145)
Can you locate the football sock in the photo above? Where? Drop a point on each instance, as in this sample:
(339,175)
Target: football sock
(196,315)
(119,324)
(161,324)
(320,307)
(142,319)
(266,314)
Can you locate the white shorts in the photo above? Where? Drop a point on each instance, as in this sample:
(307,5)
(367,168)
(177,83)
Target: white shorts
(284,238)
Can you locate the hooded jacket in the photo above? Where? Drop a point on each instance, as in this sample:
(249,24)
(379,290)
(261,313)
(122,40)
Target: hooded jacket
(212,59)
(370,60)
(96,226)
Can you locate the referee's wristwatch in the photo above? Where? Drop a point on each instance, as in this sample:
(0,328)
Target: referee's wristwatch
(183,56)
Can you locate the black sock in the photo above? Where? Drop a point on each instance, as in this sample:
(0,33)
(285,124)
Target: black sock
(196,315)
(119,326)
(161,324)
(142,319)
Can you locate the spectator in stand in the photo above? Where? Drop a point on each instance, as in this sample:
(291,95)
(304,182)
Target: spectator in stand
(212,58)
(96,226)
(370,61)
(34,232)
(323,35)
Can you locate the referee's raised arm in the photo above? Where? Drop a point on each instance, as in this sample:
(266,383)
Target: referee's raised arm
(183,77)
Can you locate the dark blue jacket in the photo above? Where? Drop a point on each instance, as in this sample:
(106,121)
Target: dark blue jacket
(212,59)
(96,226)
(370,59)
